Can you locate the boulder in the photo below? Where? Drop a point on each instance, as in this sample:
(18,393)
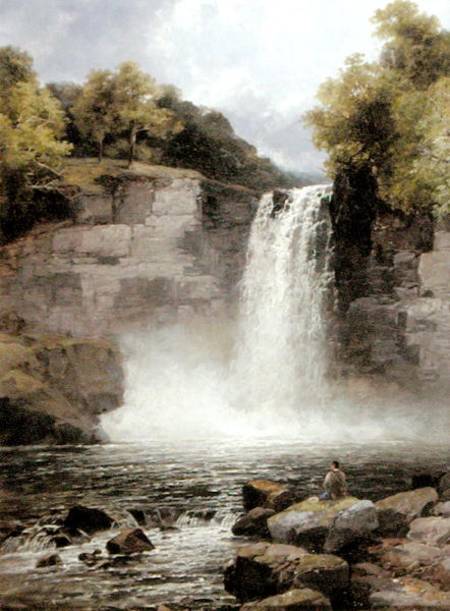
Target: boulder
(442,573)
(425,480)
(266,569)
(442,509)
(139,516)
(411,555)
(61,540)
(130,541)
(265,493)
(432,531)
(91,559)
(307,523)
(351,526)
(444,483)
(87,519)
(397,511)
(253,523)
(49,560)
(365,578)
(10,528)
(303,599)
(409,593)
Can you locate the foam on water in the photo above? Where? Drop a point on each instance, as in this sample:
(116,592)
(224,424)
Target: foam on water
(264,374)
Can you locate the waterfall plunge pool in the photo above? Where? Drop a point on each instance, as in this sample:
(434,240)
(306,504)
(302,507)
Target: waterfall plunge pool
(200,481)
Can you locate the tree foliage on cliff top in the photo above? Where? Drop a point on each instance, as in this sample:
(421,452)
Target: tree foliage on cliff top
(392,116)
(126,114)
(32,124)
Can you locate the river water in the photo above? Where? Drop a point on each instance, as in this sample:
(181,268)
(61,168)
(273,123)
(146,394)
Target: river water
(200,482)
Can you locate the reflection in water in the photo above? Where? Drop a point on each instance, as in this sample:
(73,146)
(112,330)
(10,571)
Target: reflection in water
(200,482)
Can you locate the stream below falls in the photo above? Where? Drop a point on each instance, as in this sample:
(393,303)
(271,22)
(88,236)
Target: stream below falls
(199,482)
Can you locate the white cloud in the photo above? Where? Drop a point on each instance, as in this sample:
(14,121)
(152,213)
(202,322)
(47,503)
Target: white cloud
(259,61)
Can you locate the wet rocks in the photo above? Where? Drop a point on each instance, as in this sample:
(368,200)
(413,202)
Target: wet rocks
(253,523)
(265,493)
(139,516)
(10,528)
(308,523)
(431,531)
(266,569)
(397,511)
(87,519)
(293,600)
(49,560)
(91,559)
(129,541)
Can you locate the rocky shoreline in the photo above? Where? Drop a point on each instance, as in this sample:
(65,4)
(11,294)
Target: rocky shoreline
(344,554)
(307,554)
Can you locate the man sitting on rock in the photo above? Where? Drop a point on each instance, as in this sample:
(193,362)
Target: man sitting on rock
(334,484)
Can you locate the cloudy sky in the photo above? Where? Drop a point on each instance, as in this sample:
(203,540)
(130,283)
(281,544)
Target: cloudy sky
(259,61)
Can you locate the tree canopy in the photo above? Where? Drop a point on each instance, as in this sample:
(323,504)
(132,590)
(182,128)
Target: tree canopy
(390,116)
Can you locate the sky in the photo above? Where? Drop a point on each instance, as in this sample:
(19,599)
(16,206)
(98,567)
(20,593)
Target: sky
(260,62)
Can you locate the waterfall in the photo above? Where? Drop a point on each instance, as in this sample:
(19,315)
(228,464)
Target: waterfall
(281,350)
(184,380)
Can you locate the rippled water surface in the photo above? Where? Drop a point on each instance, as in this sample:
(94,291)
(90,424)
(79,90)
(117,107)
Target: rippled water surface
(199,481)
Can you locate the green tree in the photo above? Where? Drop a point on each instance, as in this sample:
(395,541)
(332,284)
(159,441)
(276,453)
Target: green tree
(136,96)
(378,116)
(16,66)
(415,43)
(433,163)
(31,127)
(95,109)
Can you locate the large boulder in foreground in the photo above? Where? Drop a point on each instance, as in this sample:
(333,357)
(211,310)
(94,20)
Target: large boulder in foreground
(266,493)
(308,523)
(266,569)
(87,519)
(253,523)
(396,512)
(130,541)
(303,599)
(352,526)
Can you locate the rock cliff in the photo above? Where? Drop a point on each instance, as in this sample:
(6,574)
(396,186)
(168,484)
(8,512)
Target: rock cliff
(52,389)
(394,294)
(148,245)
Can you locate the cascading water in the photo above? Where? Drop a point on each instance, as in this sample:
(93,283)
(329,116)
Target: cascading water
(185,381)
(281,351)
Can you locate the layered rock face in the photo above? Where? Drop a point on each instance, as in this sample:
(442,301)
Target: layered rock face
(52,389)
(397,329)
(145,246)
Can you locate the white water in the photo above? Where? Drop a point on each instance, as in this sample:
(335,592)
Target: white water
(264,374)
